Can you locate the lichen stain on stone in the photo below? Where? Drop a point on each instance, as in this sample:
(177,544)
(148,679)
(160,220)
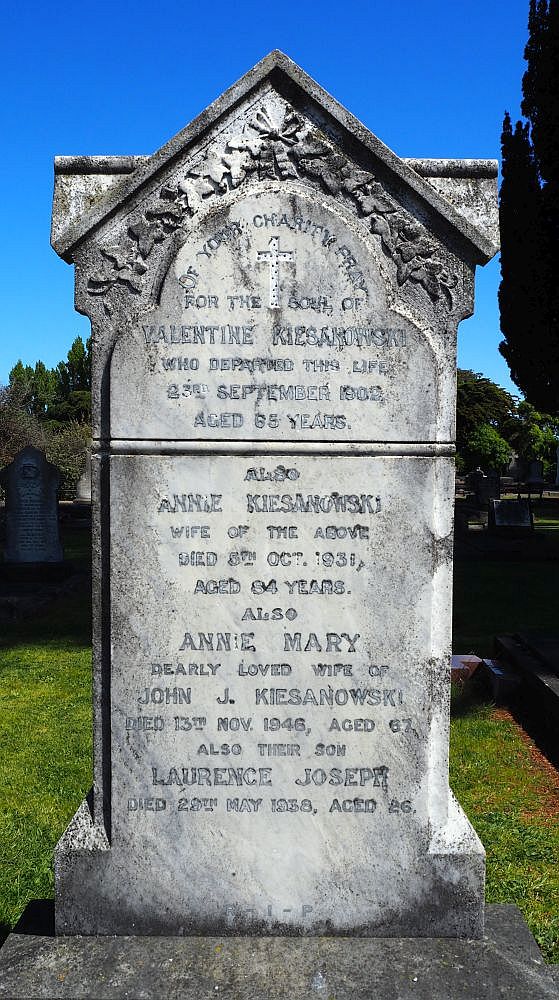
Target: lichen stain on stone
(442,550)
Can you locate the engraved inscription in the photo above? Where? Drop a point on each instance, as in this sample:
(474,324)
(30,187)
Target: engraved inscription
(275,678)
(275,326)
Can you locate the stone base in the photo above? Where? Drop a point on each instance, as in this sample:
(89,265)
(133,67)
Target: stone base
(443,899)
(505,963)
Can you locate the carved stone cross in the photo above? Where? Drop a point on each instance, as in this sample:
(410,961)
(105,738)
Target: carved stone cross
(273,257)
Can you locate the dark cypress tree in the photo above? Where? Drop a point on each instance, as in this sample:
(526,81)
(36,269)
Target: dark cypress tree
(522,294)
(540,86)
(529,214)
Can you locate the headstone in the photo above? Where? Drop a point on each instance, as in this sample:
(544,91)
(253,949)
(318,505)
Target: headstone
(83,487)
(30,484)
(474,479)
(510,517)
(532,480)
(486,487)
(274,299)
(534,476)
(491,487)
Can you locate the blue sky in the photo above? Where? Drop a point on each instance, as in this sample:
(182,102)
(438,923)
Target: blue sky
(430,79)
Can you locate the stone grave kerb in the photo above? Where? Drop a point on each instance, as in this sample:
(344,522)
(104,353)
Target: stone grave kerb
(423,225)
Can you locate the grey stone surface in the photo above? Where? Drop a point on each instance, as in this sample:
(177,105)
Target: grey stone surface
(83,488)
(506,963)
(364,784)
(30,484)
(510,517)
(274,300)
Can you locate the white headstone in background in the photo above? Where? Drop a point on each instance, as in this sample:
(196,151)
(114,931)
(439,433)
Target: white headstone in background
(30,484)
(274,299)
(83,487)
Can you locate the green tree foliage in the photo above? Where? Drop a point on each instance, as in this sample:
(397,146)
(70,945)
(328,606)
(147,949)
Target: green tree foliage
(51,409)
(529,215)
(540,87)
(66,448)
(60,394)
(487,449)
(35,386)
(18,427)
(483,406)
(534,436)
(479,401)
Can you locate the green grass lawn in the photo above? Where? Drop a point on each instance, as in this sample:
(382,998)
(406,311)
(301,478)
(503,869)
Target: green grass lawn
(45,743)
(513,803)
(45,737)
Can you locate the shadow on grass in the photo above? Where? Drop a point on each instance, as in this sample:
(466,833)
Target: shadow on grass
(527,709)
(538,722)
(65,621)
(469,698)
(37,918)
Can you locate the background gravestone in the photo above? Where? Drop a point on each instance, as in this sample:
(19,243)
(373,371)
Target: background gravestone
(30,484)
(83,486)
(274,299)
(510,517)
(534,476)
(486,486)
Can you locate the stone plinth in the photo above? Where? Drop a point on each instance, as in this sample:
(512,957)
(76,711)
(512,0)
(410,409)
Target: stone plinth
(506,962)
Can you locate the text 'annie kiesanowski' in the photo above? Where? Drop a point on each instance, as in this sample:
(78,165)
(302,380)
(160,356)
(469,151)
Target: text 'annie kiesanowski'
(267,503)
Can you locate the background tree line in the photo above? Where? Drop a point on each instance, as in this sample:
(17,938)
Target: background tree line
(50,408)
(492,425)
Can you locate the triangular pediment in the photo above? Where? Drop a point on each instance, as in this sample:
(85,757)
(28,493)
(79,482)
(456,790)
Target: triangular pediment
(102,186)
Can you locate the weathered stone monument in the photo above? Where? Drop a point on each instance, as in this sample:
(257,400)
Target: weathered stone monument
(274,299)
(30,484)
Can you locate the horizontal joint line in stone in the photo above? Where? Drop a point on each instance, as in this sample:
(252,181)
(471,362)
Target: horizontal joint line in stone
(225,446)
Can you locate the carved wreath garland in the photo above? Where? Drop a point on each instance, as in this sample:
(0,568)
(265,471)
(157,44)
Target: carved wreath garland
(276,146)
